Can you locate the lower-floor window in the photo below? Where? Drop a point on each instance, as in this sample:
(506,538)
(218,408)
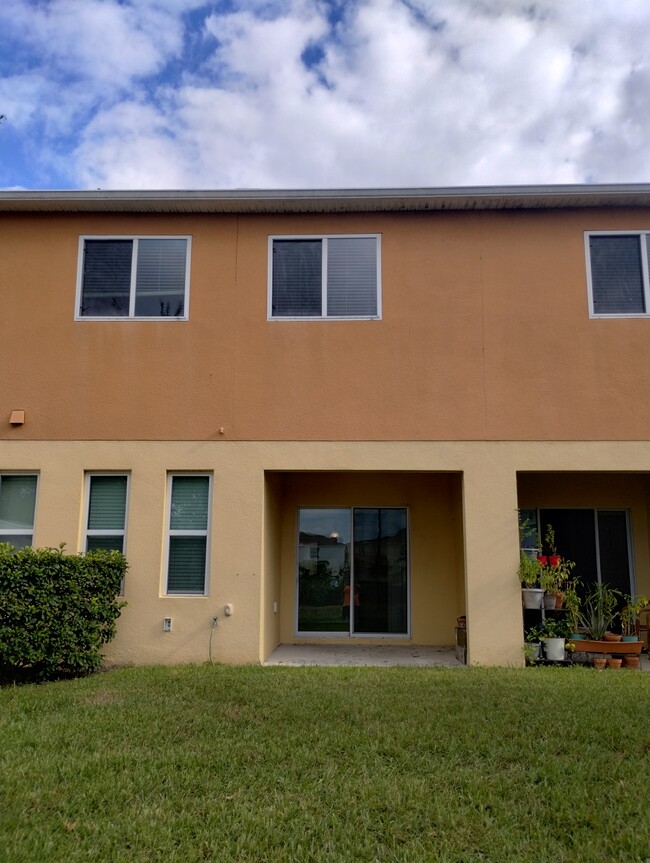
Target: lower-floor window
(17,507)
(353,571)
(106,518)
(187,541)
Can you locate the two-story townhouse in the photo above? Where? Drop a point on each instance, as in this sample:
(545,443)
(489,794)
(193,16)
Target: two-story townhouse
(314,415)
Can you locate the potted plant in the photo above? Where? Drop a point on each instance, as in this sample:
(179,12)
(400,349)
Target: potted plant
(556,571)
(599,611)
(633,605)
(554,633)
(529,573)
(549,539)
(533,645)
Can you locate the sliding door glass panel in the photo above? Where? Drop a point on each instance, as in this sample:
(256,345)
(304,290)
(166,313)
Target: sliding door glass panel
(613,548)
(575,538)
(324,590)
(380,571)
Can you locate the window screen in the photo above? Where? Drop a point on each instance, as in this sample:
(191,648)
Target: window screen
(617,275)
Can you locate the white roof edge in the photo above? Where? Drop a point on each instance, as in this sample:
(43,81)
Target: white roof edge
(324,200)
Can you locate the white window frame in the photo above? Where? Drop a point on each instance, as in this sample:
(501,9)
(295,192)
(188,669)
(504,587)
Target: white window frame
(170,533)
(97,531)
(22,532)
(134,238)
(323,238)
(645,269)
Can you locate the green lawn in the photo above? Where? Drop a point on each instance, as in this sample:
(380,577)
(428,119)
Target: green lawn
(327,764)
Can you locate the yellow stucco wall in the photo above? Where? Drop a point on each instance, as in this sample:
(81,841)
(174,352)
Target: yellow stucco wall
(462,497)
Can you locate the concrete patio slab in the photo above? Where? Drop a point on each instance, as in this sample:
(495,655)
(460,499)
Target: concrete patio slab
(329,654)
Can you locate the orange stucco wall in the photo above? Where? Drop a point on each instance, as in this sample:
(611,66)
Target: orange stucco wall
(485,336)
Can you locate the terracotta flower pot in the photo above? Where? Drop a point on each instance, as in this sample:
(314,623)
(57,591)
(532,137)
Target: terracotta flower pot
(633,662)
(612,636)
(554,559)
(614,662)
(559,600)
(541,559)
(599,662)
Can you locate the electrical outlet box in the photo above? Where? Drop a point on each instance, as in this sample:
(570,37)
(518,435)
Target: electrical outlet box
(228,609)
(167,624)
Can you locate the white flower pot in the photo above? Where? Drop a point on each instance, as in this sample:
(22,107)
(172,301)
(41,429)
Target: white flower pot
(532,597)
(554,648)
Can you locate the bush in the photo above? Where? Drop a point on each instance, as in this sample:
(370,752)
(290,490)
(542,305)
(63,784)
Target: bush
(56,610)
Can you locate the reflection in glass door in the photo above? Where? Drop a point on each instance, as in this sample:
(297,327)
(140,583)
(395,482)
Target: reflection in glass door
(353,571)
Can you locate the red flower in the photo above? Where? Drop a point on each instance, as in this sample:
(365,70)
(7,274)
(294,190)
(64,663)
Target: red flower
(554,560)
(542,559)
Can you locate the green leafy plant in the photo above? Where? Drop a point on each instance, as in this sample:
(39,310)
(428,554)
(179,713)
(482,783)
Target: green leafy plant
(554,627)
(529,570)
(556,571)
(600,610)
(535,634)
(531,652)
(528,534)
(572,604)
(633,605)
(56,610)
(549,539)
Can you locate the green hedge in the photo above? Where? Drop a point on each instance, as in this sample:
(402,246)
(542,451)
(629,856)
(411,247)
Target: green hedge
(56,610)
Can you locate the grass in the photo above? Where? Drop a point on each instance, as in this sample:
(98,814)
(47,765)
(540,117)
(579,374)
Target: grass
(327,764)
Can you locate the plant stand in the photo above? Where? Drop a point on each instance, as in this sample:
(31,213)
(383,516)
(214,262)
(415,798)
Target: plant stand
(616,648)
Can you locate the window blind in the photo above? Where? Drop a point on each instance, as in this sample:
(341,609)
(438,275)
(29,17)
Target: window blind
(17,502)
(107,505)
(351,276)
(616,275)
(189,510)
(186,568)
(160,280)
(297,278)
(106,277)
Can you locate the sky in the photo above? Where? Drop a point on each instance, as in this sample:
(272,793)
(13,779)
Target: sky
(288,94)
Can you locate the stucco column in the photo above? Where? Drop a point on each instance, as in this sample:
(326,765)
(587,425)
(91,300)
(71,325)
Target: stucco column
(492,592)
(237,533)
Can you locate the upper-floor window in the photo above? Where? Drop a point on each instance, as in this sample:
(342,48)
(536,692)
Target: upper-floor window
(617,268)
(324,277)
(17,506)
(133,277)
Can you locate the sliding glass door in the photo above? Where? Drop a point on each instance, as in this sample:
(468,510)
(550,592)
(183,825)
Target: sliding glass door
(352,571)
(597,540)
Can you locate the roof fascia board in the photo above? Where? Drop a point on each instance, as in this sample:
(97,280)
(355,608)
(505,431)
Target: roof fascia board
(330,200)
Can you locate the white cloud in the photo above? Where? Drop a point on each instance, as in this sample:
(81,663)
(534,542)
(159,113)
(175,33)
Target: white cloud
(425,92)
(103,42)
